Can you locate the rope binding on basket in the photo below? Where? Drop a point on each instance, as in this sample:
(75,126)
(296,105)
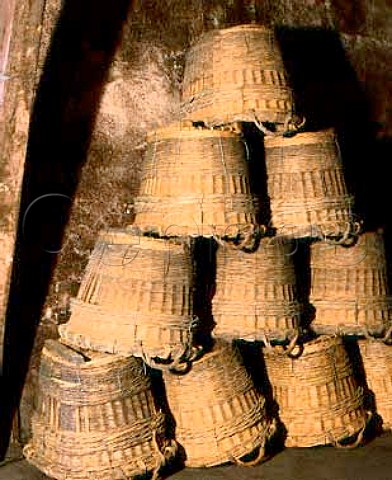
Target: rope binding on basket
(386,338)
(358,438)
(349,236)
(179,362)
(293,124)
(288,349)
(262,455)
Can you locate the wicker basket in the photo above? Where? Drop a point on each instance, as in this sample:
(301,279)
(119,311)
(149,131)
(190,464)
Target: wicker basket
(349,287)
(136,298)
(377,363)
(95,418)
(236,74)
(306,186)
(228,420)
(256,293)
(318,397)
(195,182)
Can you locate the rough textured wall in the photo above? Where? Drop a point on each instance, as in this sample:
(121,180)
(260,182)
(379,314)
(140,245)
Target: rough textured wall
(338,54)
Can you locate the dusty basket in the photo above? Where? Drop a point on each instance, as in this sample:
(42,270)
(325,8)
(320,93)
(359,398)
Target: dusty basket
(236,74)
(95,418)
(256,293)
(195,182)
(349,287)
(136,298)
(377,363)
(306,186)
(228,420)
(318,397)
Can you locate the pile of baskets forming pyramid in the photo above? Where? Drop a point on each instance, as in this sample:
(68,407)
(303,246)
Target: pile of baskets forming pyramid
(202,278)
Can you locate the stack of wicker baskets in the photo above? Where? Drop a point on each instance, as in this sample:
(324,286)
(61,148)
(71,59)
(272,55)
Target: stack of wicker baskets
(96,416)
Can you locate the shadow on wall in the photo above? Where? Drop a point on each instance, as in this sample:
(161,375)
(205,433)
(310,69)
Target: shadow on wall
(329,94)
(76,67)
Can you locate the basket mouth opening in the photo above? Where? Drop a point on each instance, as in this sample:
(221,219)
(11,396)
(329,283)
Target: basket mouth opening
(218,345)
(313,346)
(190,130)
(71,356)
(245,27)
(323,342)
(229,29)
(65,353)
(302,138)
(134,238)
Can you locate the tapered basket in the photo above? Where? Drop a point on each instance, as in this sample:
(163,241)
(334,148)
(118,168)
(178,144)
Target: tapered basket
(219,415)
(349,287)
(319,400)
(256,293)
(236,74)
(195,182)
(377,363)
(95,418)
(136,298)
(306,186)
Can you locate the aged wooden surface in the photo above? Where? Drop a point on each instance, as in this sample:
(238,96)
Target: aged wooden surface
(22,26)
(21,47)
(6,14)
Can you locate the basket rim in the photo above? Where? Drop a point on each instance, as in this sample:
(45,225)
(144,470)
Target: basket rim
(318,345)
(102,359)
(243,27)
(375,348)
(135,238)
(179,131)
(365,236)
(246,26)
(220,345)
(303,138)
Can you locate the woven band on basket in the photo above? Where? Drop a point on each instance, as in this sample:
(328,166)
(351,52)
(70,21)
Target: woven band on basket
(236,74)
(306,186)
(228,420)
(95,418)
(136,298)
(349,287)
(317,394)
(256,293)
(195,182)
(377,363)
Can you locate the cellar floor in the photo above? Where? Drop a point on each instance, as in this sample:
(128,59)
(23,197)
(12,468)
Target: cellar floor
(371,462)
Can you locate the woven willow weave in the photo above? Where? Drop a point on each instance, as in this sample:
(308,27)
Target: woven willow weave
(219,415)
(318,397)
(236,74)
(377,362)
(195,182)
(306,186)
(349,287)
(95,418)
(256,293)
(136,298)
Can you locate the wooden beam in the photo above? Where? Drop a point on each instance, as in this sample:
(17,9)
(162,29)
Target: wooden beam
(21,27)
